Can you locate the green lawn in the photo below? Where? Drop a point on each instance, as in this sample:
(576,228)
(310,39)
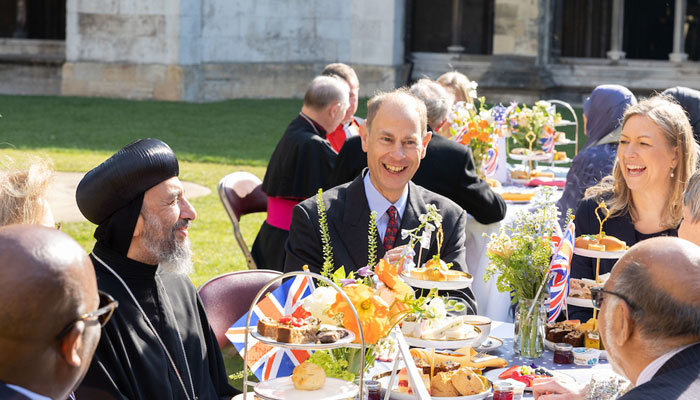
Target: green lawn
(210,140)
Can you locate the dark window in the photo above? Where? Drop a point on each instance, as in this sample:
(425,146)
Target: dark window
(648,32)
(581,28)
(44,19)
(430,26)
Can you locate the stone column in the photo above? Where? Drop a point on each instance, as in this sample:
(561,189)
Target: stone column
(618,18)
(456,46)
(679,54)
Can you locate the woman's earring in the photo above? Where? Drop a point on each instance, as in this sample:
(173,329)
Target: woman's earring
(672,174)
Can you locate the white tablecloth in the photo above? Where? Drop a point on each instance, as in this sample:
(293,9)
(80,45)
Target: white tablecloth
(490,301)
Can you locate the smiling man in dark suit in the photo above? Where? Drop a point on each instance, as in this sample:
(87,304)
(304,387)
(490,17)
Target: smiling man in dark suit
(395,142)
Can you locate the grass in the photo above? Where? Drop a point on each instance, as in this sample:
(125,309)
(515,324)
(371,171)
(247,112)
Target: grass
(210,140)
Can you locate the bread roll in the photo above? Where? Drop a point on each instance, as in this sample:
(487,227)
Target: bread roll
(612,243)
(308,376)
(582,242)
(441,385)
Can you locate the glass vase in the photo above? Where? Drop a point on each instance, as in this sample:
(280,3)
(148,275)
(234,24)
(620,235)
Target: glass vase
(528,339)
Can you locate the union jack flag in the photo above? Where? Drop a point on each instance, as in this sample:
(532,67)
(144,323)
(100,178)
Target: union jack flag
(267,361)
(548,143)
(491,162)
(560,266)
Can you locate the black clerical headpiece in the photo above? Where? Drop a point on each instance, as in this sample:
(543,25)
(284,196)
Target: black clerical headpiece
(111,194)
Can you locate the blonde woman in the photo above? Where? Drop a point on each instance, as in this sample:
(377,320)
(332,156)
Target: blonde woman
(655,158)
(23,193)
(458,85)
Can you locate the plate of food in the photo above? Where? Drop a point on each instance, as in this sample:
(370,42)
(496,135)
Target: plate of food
(460,383)
(450,332)
(436,273)
(307,381)
(580,290)
(595,246)
(526,374)
(300,333)
(525,155)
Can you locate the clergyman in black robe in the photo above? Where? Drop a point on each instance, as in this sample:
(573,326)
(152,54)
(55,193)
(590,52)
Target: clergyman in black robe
(159,344)
(300,165)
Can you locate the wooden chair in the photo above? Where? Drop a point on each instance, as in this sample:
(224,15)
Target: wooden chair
(240,193)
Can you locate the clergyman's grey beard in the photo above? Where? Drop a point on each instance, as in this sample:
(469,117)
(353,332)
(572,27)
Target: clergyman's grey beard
(172,255)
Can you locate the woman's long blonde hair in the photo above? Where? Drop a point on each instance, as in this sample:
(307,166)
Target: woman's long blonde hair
(458,83)
(665,113)
(23,191)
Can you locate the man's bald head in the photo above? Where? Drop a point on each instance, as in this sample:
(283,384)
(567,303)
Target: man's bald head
(661,278)
(47,282)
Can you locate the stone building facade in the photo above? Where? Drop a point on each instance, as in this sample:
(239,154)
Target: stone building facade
(208,50)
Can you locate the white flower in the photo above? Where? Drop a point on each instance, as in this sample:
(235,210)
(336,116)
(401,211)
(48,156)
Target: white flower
(473,85)
(470,106)
(423,218)
(405,233)
(429,227)
(472,94)
(319,302)
(425,240)
(437,308)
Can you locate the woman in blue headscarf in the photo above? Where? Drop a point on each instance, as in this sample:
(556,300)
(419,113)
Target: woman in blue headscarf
(689,99)
(602,118)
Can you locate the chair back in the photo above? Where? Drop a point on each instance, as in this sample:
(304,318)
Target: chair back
(227,297)
(241,193)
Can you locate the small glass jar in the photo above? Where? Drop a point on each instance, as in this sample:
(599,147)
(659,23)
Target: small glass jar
(502,390)
(563,353)
(373,390)
(592,340)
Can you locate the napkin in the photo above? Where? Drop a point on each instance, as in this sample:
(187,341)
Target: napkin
(518,196)
(540,182)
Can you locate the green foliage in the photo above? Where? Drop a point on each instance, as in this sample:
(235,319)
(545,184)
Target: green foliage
(520,254)
(327,268)
(334,365)
(372,240)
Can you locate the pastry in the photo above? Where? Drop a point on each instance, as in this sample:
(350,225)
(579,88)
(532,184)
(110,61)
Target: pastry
(519,151)
(296,330)
(560,155)
(308,376)
(605,243)
(330,335)
(518,174)
(467,382)
(267,327)
(441,385)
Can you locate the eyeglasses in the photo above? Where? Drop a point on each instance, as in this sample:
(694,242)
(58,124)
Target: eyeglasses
(597,297)
(102,314)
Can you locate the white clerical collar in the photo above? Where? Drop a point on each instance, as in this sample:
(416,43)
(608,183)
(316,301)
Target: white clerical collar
(28,393)
(654,366)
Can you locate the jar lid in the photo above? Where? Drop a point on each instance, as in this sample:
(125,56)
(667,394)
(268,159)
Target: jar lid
(502,385)
(563,346)
(372,384)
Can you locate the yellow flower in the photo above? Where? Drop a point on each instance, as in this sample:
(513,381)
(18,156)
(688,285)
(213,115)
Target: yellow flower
(372,310)
(397,291)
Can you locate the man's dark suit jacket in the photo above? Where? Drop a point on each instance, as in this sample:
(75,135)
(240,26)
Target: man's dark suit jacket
(678,379)
(447,169)
(347,212)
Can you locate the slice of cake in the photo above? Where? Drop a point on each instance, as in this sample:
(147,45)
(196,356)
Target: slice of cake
(267,327)
(295,330)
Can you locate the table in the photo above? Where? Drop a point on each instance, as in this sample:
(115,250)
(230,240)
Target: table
(504,330)
(490,301)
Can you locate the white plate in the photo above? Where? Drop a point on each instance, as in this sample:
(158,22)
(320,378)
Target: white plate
(442,344)
(461,283)
(490,344)
(283,389)
(564,161)
(612,255)
(533,157)
(304,346)
(575,301)
(564,142)
(492,375)
(405,396)
(564,122)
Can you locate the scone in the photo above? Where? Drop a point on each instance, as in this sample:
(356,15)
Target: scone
(441,385)
(467,382)
(308,376)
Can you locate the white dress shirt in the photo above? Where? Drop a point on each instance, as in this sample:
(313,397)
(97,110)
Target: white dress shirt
(654,366)
(380,204)
(28,393)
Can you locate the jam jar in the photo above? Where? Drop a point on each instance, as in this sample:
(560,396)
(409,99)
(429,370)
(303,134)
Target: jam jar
(503,390)
(373,390)
(563,353)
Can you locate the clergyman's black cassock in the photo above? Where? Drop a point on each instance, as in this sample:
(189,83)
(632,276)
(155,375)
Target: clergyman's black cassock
(300,165)
(129,363)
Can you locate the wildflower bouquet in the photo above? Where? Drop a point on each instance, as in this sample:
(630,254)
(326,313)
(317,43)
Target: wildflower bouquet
(479,129)
(520,253)
(540,120)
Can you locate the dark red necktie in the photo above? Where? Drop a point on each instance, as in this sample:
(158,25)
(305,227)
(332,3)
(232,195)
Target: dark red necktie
(392,228)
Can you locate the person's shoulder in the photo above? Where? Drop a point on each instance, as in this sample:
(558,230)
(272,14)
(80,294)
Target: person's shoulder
(330,197)
(443,144)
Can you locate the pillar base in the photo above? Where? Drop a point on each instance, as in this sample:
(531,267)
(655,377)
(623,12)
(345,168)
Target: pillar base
(616,55)
(678,57)
(455,49)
